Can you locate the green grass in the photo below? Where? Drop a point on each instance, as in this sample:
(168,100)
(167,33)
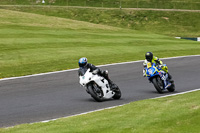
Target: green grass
(184,24)
(175,114)
(162,4)
(31,43)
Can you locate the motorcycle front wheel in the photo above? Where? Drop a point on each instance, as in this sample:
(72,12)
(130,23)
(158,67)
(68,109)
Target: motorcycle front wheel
(95,92)
(158,84)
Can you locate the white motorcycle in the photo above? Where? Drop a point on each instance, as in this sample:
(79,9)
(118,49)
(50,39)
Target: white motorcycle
(97,86)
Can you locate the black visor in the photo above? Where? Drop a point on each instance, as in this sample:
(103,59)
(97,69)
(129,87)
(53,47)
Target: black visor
(82,64)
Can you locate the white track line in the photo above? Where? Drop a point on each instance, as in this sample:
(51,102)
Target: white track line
(176,94)
(116,106)
(107,108)
(82,113)
(33,75)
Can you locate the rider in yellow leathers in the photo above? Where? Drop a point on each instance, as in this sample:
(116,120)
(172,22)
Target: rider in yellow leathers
(153,59)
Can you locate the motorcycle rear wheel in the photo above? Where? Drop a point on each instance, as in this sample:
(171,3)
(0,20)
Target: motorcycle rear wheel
(157,85)
(98,96)
(118,93)
(171,88)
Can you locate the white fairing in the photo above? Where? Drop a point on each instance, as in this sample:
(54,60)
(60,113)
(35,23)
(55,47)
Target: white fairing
(100,81)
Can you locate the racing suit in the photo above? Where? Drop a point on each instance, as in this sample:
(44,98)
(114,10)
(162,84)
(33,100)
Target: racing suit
(158,63)
(96,70)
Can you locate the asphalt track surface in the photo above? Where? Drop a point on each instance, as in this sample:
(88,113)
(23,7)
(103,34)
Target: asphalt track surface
(39,98)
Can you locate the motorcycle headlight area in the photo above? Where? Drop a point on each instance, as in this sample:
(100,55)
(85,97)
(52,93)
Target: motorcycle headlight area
(150,71)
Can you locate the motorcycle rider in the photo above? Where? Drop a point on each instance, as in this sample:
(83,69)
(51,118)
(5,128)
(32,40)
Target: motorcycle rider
(153,59)
(83,63)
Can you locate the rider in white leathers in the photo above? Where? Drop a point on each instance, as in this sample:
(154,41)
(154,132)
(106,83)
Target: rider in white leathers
(84,64)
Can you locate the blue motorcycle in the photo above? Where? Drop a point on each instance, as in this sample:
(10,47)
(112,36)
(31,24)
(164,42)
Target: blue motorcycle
(159,78)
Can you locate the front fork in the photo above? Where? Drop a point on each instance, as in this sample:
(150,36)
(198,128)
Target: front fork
(165,79)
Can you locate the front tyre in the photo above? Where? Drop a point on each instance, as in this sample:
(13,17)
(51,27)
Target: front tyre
(95,92)
(158,84)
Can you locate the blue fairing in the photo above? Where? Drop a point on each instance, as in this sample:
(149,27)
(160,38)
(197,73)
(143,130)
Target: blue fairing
(151,72)
(154,71)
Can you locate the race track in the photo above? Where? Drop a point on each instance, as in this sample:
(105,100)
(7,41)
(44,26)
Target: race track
(39,98)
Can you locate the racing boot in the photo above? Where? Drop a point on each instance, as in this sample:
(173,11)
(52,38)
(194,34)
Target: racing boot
(111,84)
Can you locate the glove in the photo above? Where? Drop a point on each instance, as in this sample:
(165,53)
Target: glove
(145,63)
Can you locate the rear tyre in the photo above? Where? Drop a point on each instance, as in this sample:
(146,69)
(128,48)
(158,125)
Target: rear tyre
(95,92)
(118,93)
(171,88)
(158,84)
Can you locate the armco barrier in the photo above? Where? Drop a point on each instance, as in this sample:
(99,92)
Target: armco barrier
(189,38)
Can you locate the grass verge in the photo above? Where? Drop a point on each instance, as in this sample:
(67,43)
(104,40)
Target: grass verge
(170,23)
(31,43)
(162,4)
(175,114)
